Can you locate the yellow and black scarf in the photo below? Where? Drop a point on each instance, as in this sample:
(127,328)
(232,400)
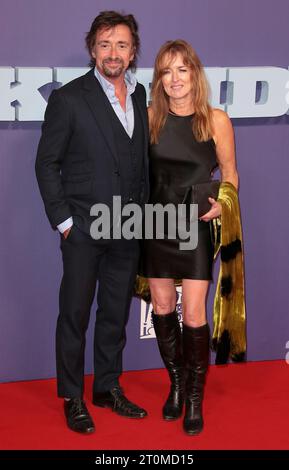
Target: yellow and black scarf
(229,334)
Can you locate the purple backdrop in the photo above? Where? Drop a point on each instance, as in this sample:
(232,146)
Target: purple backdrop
(224,33)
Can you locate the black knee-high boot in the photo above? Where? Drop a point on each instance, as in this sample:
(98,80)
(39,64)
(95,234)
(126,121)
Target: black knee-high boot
(169,337)
(196,356)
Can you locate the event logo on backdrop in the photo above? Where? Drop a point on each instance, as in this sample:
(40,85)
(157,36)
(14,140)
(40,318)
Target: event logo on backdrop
(242,92)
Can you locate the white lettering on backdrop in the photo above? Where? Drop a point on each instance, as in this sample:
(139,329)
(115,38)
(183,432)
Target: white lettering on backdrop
(241,91)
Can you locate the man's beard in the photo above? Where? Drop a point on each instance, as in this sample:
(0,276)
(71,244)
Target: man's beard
(115,73)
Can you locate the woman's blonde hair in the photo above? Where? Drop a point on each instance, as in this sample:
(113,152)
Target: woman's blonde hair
(202,124)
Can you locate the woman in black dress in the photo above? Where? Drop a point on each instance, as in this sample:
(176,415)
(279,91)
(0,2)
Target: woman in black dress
(188,140)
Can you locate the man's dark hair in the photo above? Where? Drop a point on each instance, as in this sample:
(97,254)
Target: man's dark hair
(107,20)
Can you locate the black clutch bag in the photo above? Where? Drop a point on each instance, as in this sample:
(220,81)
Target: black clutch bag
(199,194)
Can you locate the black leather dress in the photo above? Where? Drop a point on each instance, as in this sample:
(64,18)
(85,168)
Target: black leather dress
(177,162)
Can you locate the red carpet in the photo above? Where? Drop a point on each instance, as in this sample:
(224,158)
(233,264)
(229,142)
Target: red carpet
(246,407)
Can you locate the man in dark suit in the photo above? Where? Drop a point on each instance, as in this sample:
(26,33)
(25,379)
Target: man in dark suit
(93,147)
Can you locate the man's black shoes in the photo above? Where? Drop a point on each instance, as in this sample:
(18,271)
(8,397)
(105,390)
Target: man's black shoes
(117,401)
(79,420)
(77,416)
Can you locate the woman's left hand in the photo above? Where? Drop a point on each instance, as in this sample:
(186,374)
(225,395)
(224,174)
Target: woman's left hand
(215,211)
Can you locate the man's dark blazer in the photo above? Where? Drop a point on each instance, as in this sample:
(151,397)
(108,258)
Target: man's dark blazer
(77,163)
